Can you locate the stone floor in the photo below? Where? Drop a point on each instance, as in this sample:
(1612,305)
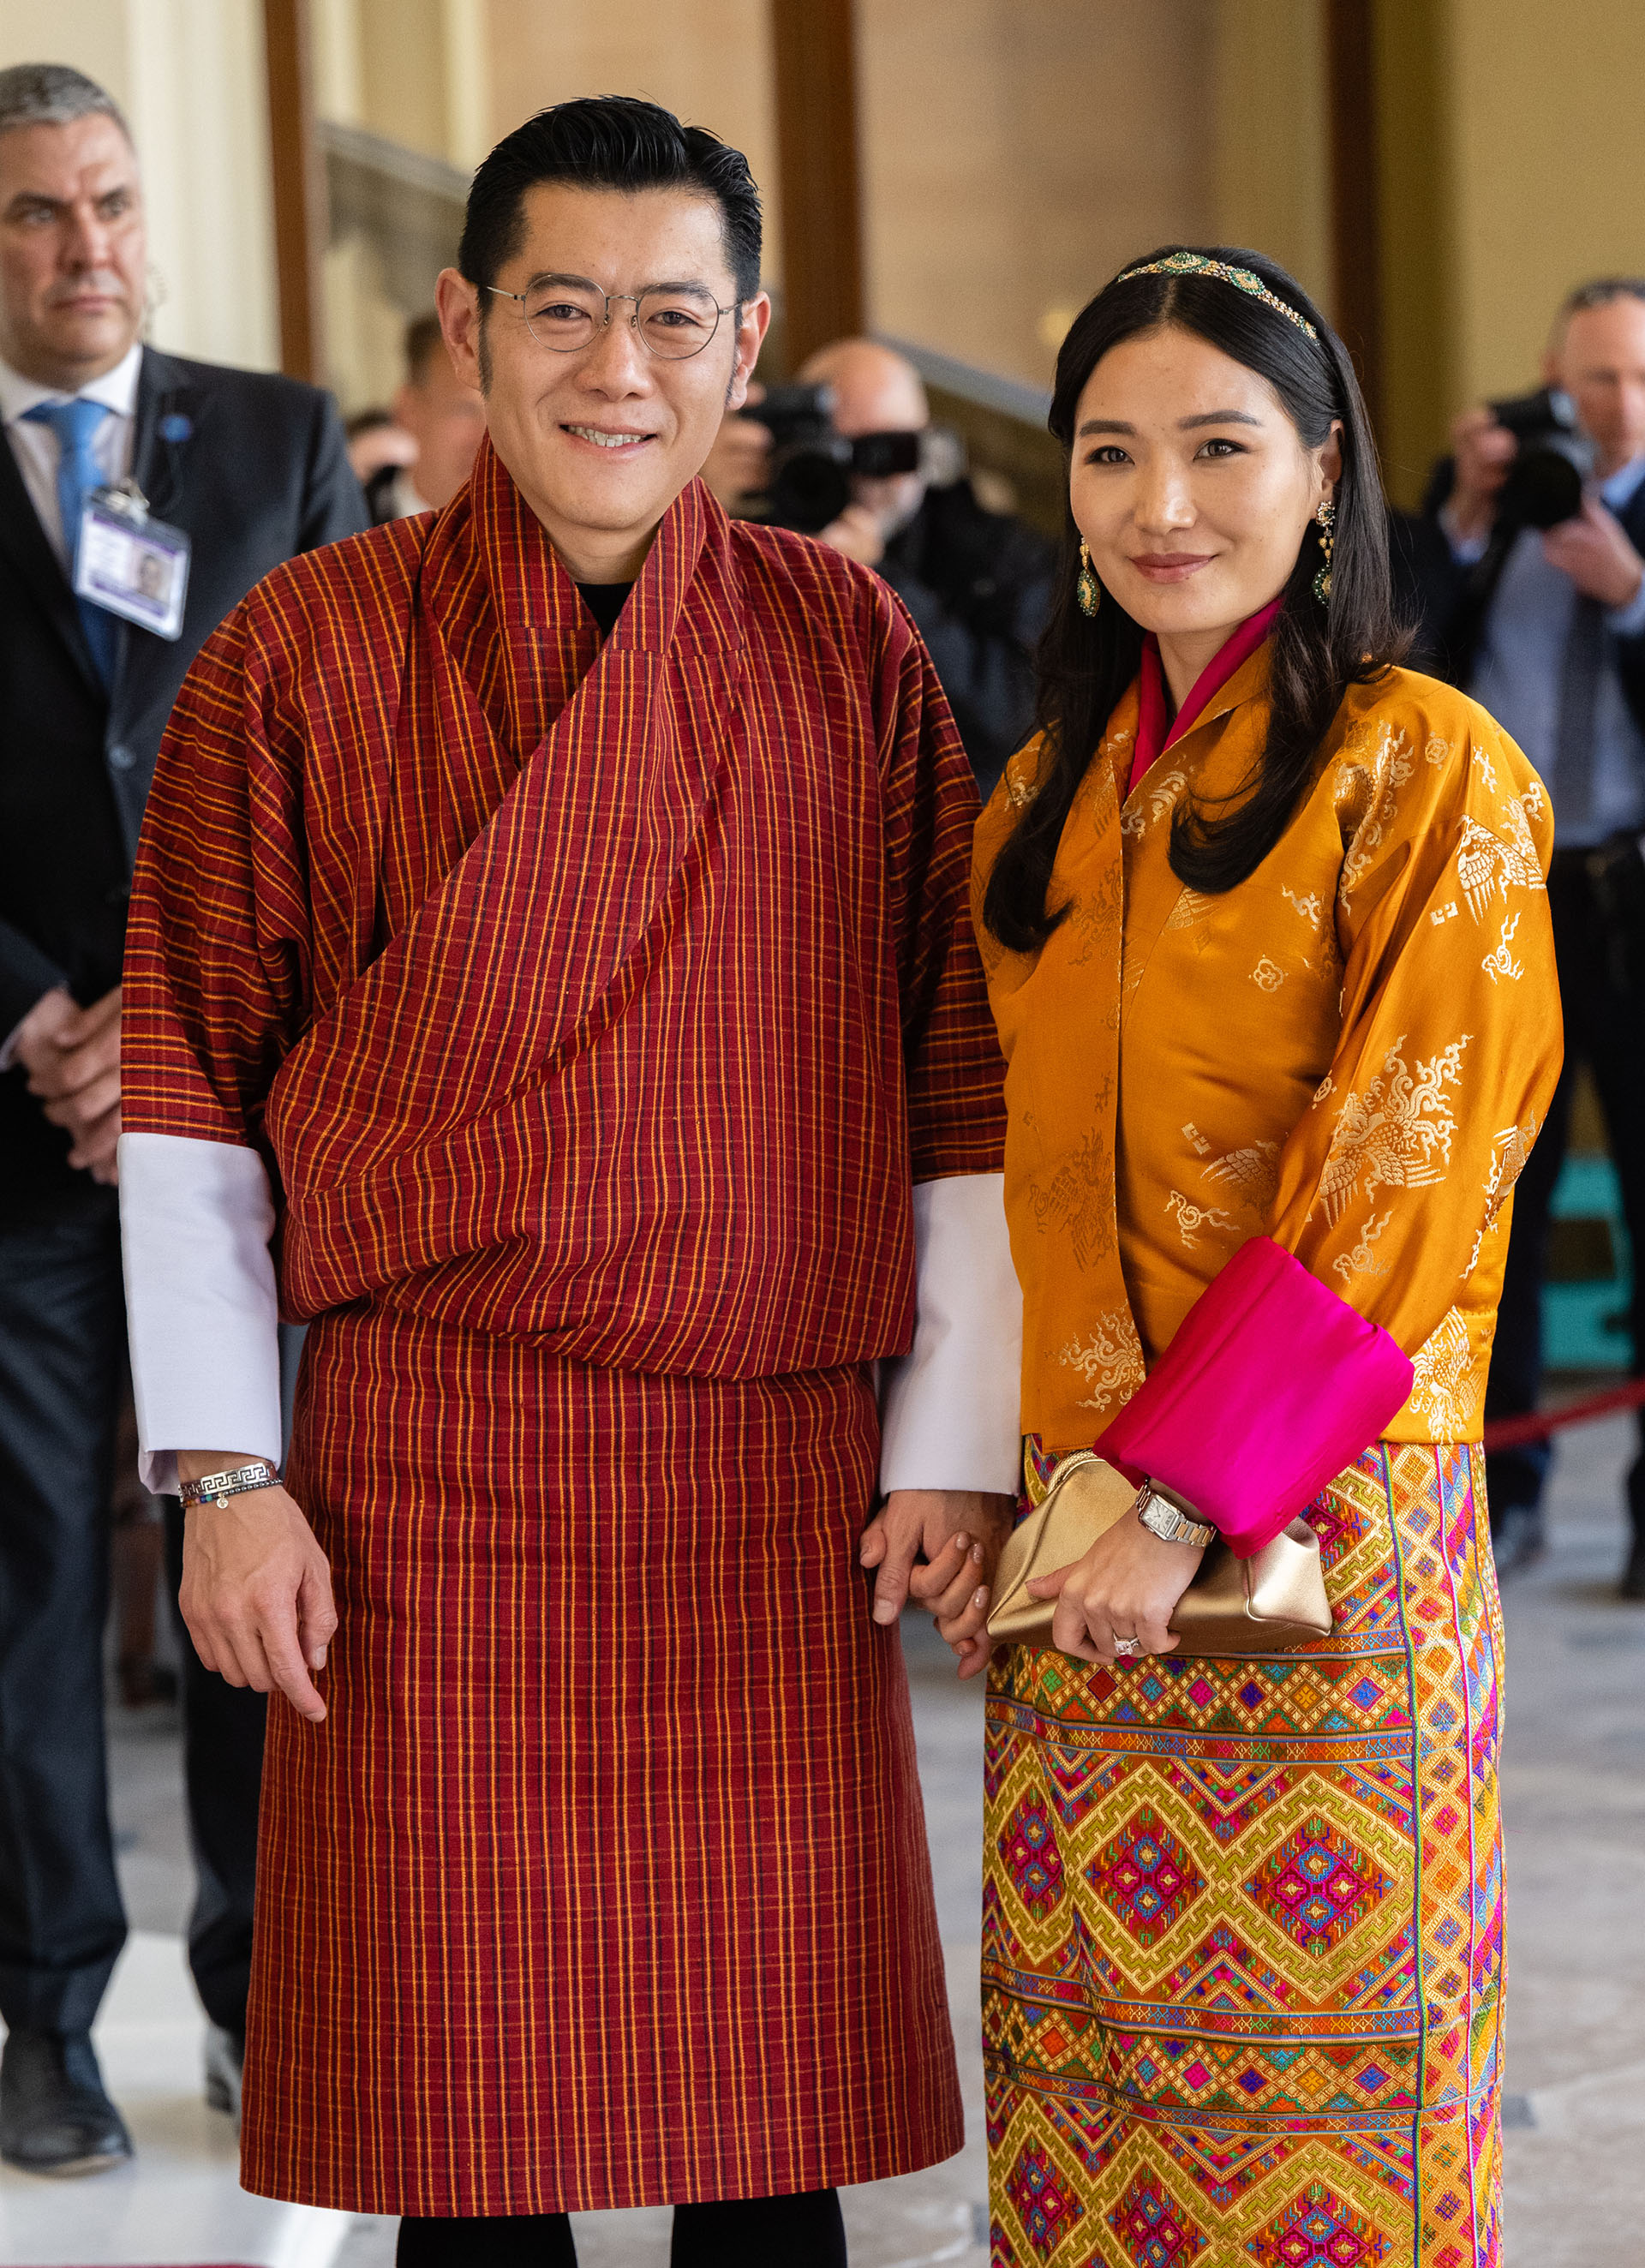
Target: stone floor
(1575,1794)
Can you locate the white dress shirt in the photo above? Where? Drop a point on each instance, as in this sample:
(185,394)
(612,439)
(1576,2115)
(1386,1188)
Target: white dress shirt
(35,447)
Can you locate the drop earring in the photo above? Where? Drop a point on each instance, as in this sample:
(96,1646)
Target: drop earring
(1088,589)
(1326,519)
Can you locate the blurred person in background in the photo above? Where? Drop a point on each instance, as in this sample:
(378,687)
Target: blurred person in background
(375,444)
(444,421)
(976,582)
(248,469)
(1539,610)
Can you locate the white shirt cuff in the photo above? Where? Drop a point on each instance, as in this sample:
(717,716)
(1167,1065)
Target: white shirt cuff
(196,1218)
(950,1409)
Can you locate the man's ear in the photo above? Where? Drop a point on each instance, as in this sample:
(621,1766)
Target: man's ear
(751,335)
(461,320)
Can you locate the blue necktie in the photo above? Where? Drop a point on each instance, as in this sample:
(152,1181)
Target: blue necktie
(78,474)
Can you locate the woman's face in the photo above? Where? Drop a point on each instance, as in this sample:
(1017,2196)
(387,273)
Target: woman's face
(1190,484)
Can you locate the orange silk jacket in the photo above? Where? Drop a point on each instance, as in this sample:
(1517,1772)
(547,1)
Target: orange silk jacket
(1351,1052)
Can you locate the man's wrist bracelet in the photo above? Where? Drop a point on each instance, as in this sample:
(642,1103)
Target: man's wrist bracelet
(217,1488)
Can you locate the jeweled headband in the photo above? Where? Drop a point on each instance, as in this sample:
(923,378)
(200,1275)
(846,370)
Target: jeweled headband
(1242,279)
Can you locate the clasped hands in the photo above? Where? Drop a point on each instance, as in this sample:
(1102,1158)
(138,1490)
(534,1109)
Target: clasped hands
(942,1547)
(71,1056)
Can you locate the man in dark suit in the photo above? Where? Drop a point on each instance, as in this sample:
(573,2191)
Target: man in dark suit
(1549,630)
(251,468)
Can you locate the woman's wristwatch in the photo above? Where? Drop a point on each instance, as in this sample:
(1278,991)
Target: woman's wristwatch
(240,1480)
(1170,1516)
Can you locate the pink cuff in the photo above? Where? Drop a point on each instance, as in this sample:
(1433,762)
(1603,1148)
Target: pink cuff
(1271,1387)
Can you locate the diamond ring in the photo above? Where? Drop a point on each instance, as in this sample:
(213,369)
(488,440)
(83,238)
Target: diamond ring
(1126,1646)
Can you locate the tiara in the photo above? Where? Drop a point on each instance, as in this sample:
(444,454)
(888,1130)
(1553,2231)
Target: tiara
(1242,279)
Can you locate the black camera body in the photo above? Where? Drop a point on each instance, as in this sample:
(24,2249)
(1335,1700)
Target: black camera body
(812,466)
(1545,483)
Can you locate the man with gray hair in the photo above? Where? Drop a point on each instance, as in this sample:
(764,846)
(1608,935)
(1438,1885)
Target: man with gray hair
(141,498)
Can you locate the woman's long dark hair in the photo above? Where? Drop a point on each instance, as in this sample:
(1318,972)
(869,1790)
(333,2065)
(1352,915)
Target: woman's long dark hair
(1085,665)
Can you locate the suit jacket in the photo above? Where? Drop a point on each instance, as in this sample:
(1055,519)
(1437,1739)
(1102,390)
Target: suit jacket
(255,469)
(1454,601)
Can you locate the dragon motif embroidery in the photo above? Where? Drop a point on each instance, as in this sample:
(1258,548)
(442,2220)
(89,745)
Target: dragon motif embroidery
(1443,1391)
(1109,1361)
(1391,767)
(1397,1134)
(1191,1216)
(1488,867)
(1253,1172)
(1362,1261)
(1080,1199)
(1501,962)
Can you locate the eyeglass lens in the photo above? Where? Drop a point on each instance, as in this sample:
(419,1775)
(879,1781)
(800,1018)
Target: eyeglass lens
(673,324)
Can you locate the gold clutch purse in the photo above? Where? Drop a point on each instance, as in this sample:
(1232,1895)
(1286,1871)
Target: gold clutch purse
(1271,1604)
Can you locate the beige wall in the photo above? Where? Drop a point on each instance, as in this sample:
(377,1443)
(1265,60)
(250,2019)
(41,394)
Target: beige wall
(189,75)
(709,61)
(1272,181)
(1544,105)
(1016,152)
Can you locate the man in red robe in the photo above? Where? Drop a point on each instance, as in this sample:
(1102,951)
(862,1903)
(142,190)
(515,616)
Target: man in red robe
(550,955)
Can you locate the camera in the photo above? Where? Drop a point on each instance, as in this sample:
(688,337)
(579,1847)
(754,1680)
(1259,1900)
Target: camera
(1545,483)
(812,466)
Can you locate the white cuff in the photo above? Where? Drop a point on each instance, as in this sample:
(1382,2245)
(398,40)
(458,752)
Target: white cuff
(196,1218)
(950,1409)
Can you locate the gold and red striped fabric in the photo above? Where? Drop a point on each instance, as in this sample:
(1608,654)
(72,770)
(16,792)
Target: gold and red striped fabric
(594,1008)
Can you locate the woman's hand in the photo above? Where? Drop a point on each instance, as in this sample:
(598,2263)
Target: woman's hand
(939,1547)
(1125,1586)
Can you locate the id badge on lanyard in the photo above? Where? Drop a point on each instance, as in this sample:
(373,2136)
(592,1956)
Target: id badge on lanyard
(131,565)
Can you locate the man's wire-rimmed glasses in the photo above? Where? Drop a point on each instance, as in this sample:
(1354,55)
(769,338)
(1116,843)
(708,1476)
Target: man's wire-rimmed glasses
(566,314)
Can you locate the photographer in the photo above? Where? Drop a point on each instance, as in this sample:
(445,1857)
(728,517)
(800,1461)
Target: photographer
(1540,612)
(976,582)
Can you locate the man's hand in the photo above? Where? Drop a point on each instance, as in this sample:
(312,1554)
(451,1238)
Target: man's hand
(71,1056)
(738,464)
(1594,550)
(256,1592)
(1484,450)
(941,1547)
(858,533)
(1126,1586)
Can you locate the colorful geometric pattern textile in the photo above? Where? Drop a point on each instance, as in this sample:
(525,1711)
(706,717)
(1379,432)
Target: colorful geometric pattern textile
(1243,1922)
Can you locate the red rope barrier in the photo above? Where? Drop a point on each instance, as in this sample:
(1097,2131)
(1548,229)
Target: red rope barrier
(1514,1432)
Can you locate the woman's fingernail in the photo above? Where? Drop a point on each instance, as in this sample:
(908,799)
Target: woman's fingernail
(980,1598)
(976,1553)
(884,1611)
(963,1542)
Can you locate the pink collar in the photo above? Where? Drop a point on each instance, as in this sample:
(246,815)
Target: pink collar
(1153,736)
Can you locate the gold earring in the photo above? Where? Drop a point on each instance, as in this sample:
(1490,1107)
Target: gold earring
(1326,519)
(1088,589)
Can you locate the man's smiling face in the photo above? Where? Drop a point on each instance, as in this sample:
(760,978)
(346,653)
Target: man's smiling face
(601,441)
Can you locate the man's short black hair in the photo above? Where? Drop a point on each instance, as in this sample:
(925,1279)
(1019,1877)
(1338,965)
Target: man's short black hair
(608,142)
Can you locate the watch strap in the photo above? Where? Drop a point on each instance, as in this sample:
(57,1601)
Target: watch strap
(1170,1518)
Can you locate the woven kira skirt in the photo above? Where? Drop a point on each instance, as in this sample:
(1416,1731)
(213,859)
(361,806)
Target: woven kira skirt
(1243,1922)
